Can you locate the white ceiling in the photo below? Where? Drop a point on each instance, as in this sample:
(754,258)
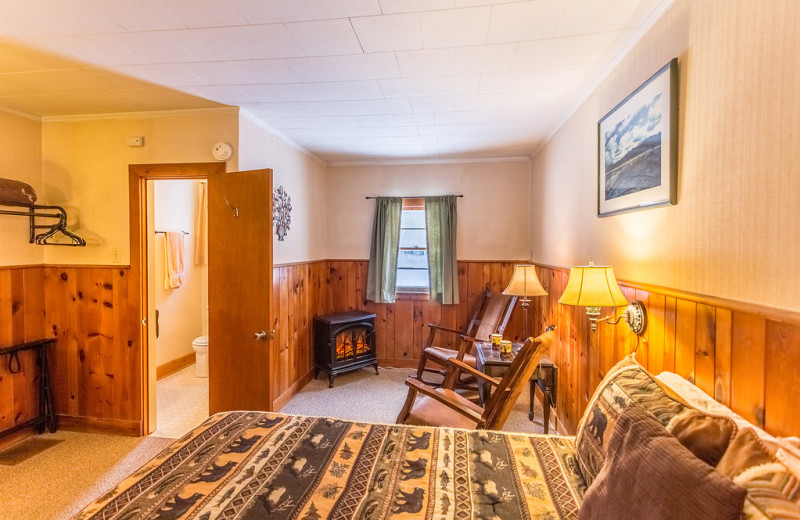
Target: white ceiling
(345,79)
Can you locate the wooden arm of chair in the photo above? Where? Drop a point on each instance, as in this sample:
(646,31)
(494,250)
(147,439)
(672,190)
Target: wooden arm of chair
(445,329)
(424,389)
(461,366)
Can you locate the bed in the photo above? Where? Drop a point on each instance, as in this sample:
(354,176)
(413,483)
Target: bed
(256,465)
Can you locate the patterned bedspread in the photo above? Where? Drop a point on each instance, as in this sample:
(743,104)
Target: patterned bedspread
(254,465)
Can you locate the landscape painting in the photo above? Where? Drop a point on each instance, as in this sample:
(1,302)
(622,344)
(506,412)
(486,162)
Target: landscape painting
(638,145)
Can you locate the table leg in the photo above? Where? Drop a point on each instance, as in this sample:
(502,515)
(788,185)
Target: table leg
(546,407)
(532,386)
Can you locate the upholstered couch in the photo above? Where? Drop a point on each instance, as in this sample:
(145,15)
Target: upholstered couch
(658,447)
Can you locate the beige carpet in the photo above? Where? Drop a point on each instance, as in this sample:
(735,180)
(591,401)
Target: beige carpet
(364,396)
(56,483)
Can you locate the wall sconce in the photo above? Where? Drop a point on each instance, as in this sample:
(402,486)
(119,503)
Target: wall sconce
(525,283)
(593,287)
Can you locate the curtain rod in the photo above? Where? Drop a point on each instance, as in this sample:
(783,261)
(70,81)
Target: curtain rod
(184,232)
(418,197)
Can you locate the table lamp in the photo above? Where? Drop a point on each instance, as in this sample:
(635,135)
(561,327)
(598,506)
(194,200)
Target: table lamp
(593,286)
(525,283)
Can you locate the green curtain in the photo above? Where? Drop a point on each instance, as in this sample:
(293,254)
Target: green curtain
(440,219)
(382,276)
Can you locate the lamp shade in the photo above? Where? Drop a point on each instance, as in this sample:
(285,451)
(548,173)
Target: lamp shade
(524,282)
(592,286)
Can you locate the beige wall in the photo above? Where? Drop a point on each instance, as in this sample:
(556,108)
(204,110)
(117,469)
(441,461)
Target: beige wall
(493,216)
(21,148)
(733,233)
(86,170)
(303,178)
(182,311)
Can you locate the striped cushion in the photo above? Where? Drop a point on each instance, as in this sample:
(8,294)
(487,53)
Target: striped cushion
(627,384)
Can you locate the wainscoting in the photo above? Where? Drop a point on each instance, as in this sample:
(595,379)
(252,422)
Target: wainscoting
(745,356)
(95,363)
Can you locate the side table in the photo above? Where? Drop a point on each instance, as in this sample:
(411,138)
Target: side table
(491,363)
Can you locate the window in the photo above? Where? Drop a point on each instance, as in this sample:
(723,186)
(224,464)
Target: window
(412,259)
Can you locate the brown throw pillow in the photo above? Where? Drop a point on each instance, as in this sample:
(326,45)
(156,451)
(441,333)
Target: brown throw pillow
(649,474)
(707,436)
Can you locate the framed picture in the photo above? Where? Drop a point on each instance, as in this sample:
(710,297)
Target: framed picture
(638,147)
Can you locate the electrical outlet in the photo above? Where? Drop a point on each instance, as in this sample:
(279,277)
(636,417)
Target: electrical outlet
(115,255)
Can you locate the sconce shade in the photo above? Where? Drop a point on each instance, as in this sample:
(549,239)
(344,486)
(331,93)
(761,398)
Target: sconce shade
(524,282)
(592,286)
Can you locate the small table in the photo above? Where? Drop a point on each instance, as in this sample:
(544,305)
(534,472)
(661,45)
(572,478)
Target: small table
(491,363)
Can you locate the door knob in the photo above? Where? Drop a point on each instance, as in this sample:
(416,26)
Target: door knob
(263,336)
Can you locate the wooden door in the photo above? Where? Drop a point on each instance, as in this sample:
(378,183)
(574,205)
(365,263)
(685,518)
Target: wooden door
(240,290)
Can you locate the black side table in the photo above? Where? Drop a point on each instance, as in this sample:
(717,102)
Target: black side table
(491,363)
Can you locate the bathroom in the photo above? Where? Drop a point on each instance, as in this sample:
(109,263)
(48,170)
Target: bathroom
(178,303)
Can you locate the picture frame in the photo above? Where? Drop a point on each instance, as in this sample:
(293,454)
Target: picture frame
(638,147)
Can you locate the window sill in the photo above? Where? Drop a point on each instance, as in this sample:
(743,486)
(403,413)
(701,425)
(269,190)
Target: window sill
(412,295)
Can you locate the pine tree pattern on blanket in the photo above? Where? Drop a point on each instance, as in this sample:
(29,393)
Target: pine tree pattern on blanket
(255,465)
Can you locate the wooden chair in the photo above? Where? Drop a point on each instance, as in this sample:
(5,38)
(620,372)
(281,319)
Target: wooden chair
(444,407)
(491,317)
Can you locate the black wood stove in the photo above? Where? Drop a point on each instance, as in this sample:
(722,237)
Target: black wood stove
(343,342)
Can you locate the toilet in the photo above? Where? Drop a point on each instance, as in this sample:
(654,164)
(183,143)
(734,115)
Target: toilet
(200,346)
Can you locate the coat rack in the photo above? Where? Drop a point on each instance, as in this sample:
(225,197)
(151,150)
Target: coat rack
(34,211)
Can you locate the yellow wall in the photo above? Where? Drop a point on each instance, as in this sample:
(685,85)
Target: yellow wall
(303,178)
(493,216)
(86,170)
(733,233)
(21,148)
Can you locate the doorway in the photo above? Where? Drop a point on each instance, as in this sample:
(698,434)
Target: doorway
(145,247)
(177,267)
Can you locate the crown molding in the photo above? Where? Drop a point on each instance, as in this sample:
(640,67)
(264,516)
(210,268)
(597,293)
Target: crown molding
(140,115)
(397,162)
(20,113)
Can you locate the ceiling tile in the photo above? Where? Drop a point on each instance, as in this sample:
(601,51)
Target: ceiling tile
(455,28)
(439,62)
(221,72)
(539,79)
(585,16)
(370,66)
(264,71)
(336,91)
(389,32)
(268,93)
(425,87)
(212,44)
(414,6)
(372,107)
(153,47)
(326,9)
(227,94)
(76,17)
(325,37)
(141,15)
(265,41)
(568,51)
(192,13)
(522,21)
(98,50)
(170,75)
(486,58)
(314,108)
(272,11)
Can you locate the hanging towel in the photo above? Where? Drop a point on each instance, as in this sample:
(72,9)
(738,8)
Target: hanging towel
(173,265)
(201,224)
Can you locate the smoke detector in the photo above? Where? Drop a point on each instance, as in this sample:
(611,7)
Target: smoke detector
(222,151)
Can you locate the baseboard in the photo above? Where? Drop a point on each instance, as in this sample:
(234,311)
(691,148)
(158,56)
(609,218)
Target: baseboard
(170,367)
(398,363)
(285,397)
(98,425)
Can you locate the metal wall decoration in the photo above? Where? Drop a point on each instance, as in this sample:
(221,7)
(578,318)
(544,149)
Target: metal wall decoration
(281,211)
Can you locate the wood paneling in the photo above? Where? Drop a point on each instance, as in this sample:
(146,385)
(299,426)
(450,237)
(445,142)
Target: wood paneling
(94,365)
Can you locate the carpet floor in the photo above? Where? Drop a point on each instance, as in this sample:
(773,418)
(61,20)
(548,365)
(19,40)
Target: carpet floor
(364,396)
(57,482)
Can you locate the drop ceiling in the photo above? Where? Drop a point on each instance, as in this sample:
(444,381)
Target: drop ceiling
(347,80)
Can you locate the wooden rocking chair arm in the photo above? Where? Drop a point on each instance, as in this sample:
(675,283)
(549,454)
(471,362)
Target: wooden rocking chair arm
(442,328)
(424,389)
(477,373)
